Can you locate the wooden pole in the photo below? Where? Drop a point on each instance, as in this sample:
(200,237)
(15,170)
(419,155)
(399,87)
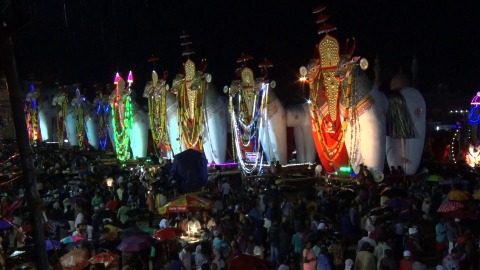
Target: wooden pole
(8,64)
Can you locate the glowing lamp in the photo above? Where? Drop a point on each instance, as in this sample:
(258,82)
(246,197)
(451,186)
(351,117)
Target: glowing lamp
(117,78)
(130,78)
(345,169)
(109,182)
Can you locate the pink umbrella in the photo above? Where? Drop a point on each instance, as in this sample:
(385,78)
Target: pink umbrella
(450,206)
(71,239)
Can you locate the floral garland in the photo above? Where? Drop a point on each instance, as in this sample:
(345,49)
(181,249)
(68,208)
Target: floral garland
(191,127)
(247,132)
(157,115)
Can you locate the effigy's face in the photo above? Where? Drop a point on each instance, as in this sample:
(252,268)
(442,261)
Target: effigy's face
(247,94)
(313,71)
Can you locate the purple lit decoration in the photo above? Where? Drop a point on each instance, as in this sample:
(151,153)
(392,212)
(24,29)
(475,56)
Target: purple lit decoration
(474,116)
(230,164)
(130,78)
(102,141)
(34,101)
(116,79)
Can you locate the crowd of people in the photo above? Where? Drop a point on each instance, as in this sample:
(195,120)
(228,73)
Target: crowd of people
(356,225)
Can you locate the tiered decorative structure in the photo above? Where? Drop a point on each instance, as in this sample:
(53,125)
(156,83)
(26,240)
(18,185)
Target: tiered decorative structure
(247,107)
(156,93)
(189,88)
(31,115)
(78,103)
(102,109)
(122,116)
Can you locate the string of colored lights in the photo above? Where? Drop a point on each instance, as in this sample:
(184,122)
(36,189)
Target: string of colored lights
(122,124)
(236,126)
(122,129)
(102,112)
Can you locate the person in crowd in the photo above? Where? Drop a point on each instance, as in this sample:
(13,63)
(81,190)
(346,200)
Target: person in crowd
(388,262)
(274,240)
(451,261)
(379,250)
(365,259)
(200,257)
(185,256)
(441,238)
(412,243)
(407,262)
(308,257)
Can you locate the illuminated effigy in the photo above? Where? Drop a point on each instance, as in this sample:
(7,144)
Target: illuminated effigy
(102,109)
(122,117)
(156,93)
(61,103)
(31,115)
(78,103)
(257,118)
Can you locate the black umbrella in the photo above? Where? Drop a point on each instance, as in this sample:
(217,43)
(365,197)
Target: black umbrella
(381,210)
(131,231)
(109,245)
(392,192)
(346,193)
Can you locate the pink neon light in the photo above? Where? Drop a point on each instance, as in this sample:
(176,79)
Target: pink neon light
(476,99)
(117,78)
(130,77)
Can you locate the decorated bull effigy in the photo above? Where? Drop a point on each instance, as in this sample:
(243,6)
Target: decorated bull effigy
(122,117)
(346,125)
(31,115)
(156,92)
(258,124)
(60,101)
(200,114)
(350,117)
(78,103)
(102,110)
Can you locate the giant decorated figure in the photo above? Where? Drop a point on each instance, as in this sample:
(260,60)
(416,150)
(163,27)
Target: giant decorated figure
(257,118)
(201,114)
(348,128)
(129,124)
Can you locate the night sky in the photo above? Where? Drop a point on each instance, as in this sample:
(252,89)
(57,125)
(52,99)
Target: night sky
(87,41)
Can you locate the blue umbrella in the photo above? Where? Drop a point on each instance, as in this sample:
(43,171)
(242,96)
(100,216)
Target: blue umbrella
(5,225)
(52,244)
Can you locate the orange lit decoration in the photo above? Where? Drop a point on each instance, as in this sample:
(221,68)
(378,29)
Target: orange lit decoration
(61,102)
(472,157)
(328,130)
(31,115)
